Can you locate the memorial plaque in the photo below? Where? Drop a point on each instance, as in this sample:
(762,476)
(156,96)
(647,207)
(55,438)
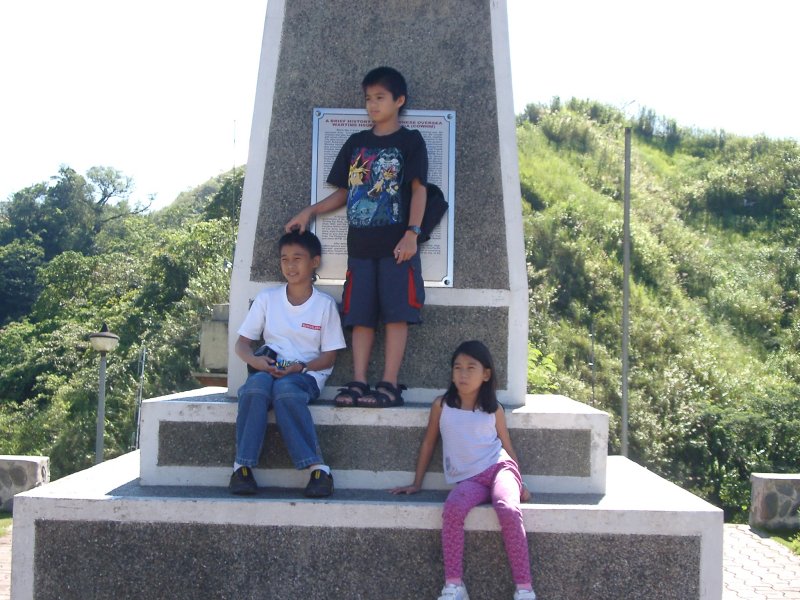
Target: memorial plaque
(332,127)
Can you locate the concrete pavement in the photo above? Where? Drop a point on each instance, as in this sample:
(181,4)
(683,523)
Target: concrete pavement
(5,566)
(757,568)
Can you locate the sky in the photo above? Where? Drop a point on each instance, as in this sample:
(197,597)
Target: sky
(163,90)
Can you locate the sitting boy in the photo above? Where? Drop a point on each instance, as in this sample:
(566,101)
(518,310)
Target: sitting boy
(301,328)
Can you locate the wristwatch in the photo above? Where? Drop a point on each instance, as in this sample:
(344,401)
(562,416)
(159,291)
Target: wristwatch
(305,367)
(415,229)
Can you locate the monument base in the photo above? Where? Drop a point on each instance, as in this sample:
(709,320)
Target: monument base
(100,533)
(189,439)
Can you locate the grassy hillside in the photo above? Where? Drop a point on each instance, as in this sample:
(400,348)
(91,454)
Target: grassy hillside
(714,385)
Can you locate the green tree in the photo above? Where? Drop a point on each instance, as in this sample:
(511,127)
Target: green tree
(66,215)
(227,201)
(22,215)
(48,384)
(69,212)
(110,191)
(19,261)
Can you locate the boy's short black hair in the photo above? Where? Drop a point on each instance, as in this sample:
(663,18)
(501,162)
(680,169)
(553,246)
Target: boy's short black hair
(306,239)
(389,78)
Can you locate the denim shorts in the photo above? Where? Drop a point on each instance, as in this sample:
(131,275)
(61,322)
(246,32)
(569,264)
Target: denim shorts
(380,289)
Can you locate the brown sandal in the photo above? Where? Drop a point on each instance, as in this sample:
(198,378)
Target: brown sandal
(352,392)
(382,398)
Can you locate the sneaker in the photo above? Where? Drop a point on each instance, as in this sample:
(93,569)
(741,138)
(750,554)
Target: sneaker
(454,592)
(320,485)
(524,595)
(242,482)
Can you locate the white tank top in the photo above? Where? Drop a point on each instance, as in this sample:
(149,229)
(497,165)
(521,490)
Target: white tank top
(469,443)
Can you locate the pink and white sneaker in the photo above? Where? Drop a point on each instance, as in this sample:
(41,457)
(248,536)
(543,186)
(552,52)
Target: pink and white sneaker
(454,592)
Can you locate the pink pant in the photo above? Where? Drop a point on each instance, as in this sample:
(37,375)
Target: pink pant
(502,484)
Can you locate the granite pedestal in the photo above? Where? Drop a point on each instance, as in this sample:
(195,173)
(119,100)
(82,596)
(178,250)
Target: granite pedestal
(564,444)
(160,522)
(101,534)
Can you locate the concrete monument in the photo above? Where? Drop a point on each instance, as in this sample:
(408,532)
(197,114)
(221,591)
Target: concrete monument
(160,521)
(454,56)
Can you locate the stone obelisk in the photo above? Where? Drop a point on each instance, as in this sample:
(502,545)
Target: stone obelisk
(455,56)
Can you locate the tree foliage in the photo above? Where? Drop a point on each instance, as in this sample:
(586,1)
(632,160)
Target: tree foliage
(151,283)
(46,220)
(227,201)
(19,261)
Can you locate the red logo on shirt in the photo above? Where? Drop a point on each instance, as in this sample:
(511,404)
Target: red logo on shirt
(310,326)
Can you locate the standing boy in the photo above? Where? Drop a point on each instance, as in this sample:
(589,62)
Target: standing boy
(380,173)
(301,328)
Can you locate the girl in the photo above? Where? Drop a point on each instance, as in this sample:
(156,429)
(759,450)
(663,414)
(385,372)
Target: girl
(479,459)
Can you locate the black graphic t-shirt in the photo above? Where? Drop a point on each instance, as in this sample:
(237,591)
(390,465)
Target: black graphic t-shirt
(377,172)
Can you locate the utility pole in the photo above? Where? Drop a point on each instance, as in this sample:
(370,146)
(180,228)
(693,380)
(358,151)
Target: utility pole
(626,273)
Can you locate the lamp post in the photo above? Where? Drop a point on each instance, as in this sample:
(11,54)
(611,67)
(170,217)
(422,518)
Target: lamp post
(103,342)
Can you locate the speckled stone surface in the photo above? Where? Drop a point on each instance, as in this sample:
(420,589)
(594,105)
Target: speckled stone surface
(182,560)
(427,358)
(618,566)
(553,452)
(317,56)
(444,49)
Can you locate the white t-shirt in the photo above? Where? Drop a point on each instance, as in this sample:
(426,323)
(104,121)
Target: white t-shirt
(469,443)
(296,333)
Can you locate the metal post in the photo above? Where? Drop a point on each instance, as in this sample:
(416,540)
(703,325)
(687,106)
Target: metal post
(103,342)
(626,270)
(101,411)
(142,362)
(593,365)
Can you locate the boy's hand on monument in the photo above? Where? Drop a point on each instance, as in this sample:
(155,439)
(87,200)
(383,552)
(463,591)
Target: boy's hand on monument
(299,221)
(406,247)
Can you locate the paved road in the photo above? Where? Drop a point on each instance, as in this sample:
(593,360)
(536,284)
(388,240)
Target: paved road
(753,567)
(5,566)
(757,568)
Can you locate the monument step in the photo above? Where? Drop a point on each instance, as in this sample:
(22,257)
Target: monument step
(100,533)
(189,439)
